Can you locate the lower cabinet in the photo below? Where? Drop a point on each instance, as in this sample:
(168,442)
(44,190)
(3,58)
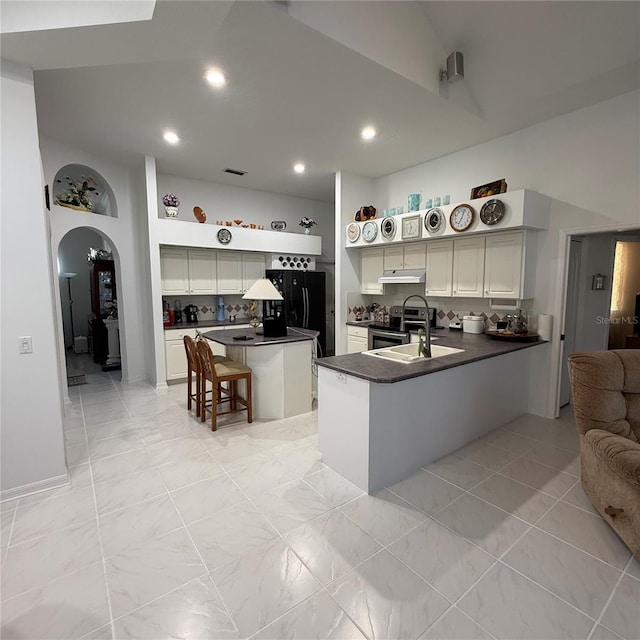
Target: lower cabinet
(175,354)
(357,339)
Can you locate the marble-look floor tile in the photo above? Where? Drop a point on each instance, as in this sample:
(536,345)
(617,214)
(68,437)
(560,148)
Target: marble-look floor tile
(40,518)
(555,483)
(230,534)
(116,413)
(263,584)
(463,473)
(111,429)
(79,478)
(68,608)
(562,459)
(587,532)
(487,455)
(634,568)
(333,487)
(384,516)
(259,473)
(74,437)
(303,461)
(137,524)
(510,441)
(487,527)
(120,465)
(175,450)
(289,506)
(578,498)
(387,600)
(6,524)
(454,625)
(602,633)
(35,563)
(113,446)
(426,491)
(204,498)
(317,618)
(128,490)
(331,545)
(193,611)
(623,613)
(149,570)
(571,574)
(102,633)
(191,469)
(77,454)
(443,558)
(515,498)
(510,607)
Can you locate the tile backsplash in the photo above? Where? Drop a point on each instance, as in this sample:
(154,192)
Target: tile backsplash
(207,305)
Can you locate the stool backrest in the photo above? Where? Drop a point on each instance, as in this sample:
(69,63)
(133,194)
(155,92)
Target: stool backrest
(192,354)
(207,364)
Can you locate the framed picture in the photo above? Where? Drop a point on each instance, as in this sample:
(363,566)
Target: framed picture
(410,227)
(489,189)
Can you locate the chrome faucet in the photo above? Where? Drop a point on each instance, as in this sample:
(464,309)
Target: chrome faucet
(425,347)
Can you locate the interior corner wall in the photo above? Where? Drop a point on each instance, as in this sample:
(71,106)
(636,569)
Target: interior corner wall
(32,438)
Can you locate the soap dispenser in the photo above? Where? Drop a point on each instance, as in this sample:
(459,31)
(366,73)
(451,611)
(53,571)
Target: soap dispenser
(220,310)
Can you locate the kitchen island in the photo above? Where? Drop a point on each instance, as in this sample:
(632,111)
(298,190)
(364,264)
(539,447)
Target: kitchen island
(280,368)
(378,421)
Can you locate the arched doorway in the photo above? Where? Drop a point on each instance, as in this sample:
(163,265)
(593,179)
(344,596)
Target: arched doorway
(88,279)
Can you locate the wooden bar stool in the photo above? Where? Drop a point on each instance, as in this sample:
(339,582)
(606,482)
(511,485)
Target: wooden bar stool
(193,366)
(217,373)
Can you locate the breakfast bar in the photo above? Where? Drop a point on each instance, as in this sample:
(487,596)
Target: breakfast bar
(383,419)
(280,368)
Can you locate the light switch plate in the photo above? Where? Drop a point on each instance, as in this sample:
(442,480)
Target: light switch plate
(25,344)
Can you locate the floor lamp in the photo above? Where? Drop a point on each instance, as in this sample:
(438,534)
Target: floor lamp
(69,276)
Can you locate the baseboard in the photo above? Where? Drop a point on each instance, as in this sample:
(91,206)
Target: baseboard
(35,487)
(162,385)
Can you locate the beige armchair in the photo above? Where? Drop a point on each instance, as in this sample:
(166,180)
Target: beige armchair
(605,387)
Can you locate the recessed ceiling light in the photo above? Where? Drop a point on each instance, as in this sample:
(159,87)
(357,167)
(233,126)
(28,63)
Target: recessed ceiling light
(299,167)
(171,137)
(215,78)
(368,133)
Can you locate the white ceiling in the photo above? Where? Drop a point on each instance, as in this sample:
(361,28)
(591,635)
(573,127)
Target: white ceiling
(304,77)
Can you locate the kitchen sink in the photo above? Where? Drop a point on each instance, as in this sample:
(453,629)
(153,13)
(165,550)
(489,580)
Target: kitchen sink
(408,353)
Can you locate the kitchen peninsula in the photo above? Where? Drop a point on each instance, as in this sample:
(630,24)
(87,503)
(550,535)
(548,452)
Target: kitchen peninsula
(378,421)
(280,368)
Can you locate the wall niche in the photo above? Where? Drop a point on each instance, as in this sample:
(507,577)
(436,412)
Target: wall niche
(82,188)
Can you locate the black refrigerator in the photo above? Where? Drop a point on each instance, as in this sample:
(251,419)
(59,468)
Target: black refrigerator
(304,300)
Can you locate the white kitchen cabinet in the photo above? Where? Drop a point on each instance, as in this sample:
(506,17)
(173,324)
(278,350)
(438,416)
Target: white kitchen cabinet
(253,268)
(229,264)
(468,268)
(175,354)
(504,266)
(202,272)
(371,268)
(357,339)
(174,267)
(439,281)
(404,257)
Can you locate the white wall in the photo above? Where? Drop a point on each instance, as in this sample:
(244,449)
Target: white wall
(124,236)
(225,202)
(31,397)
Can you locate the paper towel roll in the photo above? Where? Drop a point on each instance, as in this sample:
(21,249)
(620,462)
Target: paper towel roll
(545,325)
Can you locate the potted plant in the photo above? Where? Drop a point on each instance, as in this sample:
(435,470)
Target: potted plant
(307,223)
(171,203)
(78,195)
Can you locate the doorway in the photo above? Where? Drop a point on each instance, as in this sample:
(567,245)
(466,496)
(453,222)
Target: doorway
(88,299)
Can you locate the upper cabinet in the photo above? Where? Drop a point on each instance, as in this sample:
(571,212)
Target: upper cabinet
(371,268)
(510,265)
(229,272)
(468,268)
(202,272)
(404,257)
(174,266)
(439,281)
(253,268)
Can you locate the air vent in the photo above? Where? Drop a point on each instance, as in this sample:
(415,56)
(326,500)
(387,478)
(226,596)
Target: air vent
(235,172)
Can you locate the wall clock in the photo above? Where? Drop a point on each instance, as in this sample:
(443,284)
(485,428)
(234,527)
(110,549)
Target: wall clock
(462,217)
(433,220)
(388,228)
(224,236)
(411,227)
(353,232)
(492,212)
(370,231)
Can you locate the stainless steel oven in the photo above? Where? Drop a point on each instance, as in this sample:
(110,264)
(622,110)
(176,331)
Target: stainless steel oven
(389,335)
(386,337)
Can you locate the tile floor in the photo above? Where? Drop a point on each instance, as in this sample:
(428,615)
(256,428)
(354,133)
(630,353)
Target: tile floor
(171,531)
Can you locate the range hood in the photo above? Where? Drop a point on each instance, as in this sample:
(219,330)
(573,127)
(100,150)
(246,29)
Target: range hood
(403,276)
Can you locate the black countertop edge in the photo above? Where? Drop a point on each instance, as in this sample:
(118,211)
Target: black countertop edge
(226,337)
(204,324)
(476,347)
(362,323)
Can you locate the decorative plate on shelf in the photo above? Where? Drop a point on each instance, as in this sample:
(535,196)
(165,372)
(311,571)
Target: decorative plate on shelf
(353,232)
(224,236)
(433,220)
(370,231)
(388,228)
(462,217)
(278,225)
(492,212)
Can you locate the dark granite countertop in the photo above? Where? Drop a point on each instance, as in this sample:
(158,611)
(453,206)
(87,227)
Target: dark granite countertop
(203,324)
(362,323)
(227,337)
(476,347)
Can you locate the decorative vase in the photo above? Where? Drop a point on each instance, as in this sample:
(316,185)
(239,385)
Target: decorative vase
(307,231)
(171,212)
